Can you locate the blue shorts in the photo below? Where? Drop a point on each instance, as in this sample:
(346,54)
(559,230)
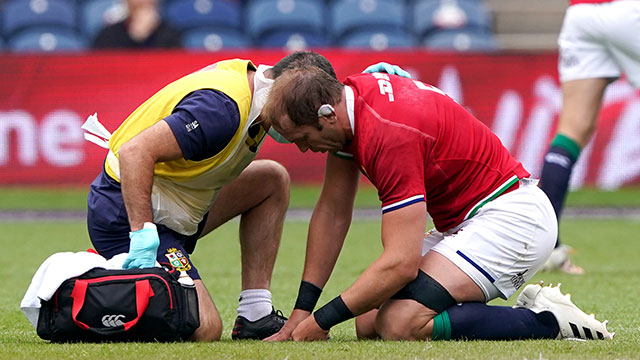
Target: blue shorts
(108,227)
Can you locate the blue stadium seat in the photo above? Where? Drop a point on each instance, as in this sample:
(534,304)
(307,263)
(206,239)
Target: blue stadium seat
(378,40)
(96,14)
(214,39)
(478,14)
(46,40)
(21,14)
(354,15)
(264,16)
(294,41)
(188,14)
(460,40)
(430,15)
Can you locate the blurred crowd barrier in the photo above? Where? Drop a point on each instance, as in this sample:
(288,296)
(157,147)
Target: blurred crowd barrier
(45,99)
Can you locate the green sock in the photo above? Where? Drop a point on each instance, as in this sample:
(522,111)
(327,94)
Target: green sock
(441,327)
(571,146)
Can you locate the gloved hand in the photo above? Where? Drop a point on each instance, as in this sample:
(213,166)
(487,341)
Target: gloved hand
(143,248)
(388,68)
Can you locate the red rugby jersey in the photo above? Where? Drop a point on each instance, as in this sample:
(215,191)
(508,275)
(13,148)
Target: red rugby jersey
(417,144)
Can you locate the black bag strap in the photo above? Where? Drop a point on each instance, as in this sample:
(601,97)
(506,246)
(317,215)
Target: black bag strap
(143,294)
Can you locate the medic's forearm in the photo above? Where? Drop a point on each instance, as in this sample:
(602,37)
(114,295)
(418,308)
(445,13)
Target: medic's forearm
(136,177)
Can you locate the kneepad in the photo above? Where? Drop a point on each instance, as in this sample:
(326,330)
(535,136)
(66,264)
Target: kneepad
(428,292)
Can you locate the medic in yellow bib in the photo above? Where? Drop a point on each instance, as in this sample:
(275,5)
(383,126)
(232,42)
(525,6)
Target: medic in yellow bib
(181,165)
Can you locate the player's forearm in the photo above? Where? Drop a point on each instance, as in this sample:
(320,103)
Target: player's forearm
(381,280)
(136,177)
(324,243)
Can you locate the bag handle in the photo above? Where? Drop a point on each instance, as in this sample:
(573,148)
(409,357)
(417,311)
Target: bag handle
(143,294)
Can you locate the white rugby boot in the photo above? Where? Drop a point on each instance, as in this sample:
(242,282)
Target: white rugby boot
(559,260)
(573,322)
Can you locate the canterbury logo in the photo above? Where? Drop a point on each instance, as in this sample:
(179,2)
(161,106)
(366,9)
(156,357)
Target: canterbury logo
(112,320)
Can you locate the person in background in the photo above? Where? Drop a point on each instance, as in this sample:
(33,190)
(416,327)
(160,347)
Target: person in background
(598,42)
(143,28)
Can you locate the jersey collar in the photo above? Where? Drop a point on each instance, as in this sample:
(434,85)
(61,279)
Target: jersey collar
(350,97)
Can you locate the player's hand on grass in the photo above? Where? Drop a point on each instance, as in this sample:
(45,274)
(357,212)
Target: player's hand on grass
(143,248)
(297,316)
(309,330)
(387,68)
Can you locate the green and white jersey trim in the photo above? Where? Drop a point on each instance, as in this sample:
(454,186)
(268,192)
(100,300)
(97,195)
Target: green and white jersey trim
(502,188)
(343,155)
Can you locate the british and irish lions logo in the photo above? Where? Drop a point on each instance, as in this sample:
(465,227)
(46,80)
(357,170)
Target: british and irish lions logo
(177,259)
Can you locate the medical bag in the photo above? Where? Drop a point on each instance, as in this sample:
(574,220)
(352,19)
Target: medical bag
(121,305)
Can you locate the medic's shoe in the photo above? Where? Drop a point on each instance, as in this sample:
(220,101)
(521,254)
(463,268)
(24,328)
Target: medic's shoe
(573,322)
(259,329)
(559,260)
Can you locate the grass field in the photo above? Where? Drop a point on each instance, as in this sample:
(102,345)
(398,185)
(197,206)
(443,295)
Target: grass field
(29,198)
(607,249)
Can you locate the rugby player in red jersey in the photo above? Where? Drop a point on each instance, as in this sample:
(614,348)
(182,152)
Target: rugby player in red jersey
(426,155)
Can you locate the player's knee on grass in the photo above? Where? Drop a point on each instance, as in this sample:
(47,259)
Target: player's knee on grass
(365,325)
(210,322)
(407,315)
(403,320)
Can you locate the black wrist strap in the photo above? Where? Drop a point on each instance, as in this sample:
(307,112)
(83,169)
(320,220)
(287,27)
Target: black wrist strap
(308,296)
(335,312)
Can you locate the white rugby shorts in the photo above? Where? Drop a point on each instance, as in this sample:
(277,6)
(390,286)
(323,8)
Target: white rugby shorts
(505,243)
(601,41)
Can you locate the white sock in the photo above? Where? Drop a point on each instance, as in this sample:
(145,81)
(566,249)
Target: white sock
(254,304)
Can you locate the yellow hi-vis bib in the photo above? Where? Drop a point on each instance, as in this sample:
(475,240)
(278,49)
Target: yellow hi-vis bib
(184,190)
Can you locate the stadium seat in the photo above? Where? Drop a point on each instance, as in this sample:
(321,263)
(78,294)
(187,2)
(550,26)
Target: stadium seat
(214,39)
(22,14)
(354,15)
(46,40)
(265,16)
(430,15)
(189,14)
(294,41)
(378,40)
(460,40)
(478,14)
(96,14)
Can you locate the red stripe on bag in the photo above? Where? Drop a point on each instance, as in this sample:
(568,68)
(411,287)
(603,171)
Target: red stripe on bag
(143,293)
(78,294)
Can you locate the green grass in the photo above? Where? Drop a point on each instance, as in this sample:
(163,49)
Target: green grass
(606,249)
(27,198)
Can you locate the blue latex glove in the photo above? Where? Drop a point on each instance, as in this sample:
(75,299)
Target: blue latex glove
(387,68)
(143,248)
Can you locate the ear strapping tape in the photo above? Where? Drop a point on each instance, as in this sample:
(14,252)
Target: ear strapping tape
(325,110)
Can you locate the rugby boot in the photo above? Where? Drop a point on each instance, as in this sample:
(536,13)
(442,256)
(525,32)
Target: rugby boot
(573,322)
(259,329)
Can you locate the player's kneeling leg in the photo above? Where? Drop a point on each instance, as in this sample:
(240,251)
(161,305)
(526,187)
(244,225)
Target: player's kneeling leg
(210,323)
(406,315)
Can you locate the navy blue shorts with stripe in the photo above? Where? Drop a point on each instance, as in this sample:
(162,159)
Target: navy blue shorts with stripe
(108,227)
